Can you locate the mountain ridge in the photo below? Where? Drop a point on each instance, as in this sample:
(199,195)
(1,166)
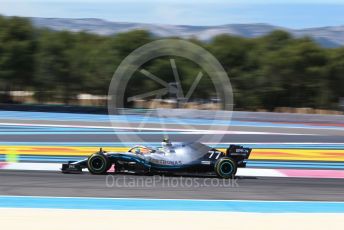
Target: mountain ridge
(326,36)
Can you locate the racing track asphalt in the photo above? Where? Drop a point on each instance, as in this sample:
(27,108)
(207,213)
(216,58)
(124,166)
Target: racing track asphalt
(43,183)
(231,138)
(40,183)
(317,134)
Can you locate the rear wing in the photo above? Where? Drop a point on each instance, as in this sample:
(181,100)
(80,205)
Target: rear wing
(239,154)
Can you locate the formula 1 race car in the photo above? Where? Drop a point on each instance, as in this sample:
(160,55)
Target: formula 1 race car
(179,158)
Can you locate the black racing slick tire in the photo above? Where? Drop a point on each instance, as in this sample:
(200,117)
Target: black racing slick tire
(98,164)
(225,168)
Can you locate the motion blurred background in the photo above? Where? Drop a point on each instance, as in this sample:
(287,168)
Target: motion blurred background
(57,58)
(283,56)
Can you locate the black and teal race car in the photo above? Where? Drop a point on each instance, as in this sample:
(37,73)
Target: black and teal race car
(193,158)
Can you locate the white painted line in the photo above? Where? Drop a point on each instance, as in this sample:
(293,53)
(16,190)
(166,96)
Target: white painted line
(243,133)
(294,127)
(274,143)
(185,131)
(33,166)
(59,125)
(253,172)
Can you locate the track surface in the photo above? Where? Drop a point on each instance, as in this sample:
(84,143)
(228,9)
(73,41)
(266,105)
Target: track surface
(74,185)
(40,183)
(285,134)
(176,138)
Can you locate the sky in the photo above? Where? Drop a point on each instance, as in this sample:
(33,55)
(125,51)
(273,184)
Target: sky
(285,13)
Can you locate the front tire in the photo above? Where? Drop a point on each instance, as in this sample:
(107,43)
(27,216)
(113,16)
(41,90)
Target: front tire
(225,168)
(98,164)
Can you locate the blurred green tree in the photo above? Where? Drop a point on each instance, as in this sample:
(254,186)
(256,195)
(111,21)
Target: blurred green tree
(336,76)
(295,75)
(17,48)
(266,72)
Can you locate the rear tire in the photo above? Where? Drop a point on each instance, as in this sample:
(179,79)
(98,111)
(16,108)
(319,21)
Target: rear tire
(98,164)
(225,168)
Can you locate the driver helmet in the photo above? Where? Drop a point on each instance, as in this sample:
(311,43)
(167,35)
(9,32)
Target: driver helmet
(166,143)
